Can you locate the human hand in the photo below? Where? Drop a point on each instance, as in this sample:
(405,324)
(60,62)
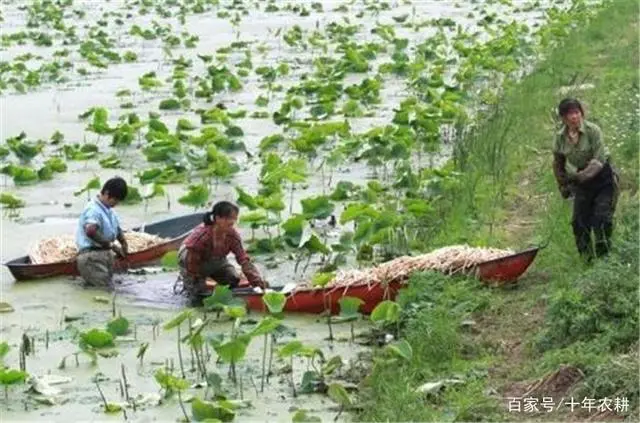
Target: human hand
(119,251)
(262,284)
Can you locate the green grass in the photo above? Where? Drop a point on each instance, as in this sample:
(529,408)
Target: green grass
(562,311)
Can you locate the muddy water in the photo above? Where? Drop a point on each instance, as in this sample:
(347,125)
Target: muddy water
(81,400)
(52,209)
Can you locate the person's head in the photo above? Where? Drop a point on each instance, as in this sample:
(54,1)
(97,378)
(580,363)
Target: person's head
(114,191)
(223,215)
(571,112)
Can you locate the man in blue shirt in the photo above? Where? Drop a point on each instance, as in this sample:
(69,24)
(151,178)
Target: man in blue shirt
(98,228)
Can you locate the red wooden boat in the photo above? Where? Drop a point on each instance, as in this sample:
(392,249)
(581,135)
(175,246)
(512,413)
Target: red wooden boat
(175,230)
(502,270)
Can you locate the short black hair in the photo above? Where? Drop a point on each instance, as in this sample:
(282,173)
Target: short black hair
(220,209)
(569,104)
(115,188)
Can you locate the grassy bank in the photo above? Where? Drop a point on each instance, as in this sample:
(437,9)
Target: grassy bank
(498,342)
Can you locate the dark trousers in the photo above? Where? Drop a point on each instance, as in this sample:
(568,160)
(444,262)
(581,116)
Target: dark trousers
(593,208)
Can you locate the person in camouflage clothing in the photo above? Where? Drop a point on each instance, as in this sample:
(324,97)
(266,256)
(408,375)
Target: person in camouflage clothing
(582,167)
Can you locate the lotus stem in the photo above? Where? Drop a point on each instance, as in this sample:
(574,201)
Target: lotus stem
(291,199)
(306,266)
(293,383)
(186,417)
(233,373)
(104,400)
(272,344)
(264,361)
(327,310)
(200,360)
(23,364)
(124,383)
(180,354)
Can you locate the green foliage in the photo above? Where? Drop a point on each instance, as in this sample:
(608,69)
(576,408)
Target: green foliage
(317,207)
(234,350)
(339,394)
(11,376)
(169,104)
(133,196)
(321,279)
(401,349)
(267,325)
(178,319)
(11,202)
(118,326)
(386,312)
(196,196)
(349,306)
(4,349)
(220,298)
(170,260)
(209,411)
(170,383)
(92,184)
(97,338)
(302,416)
(275,301)
(615,377)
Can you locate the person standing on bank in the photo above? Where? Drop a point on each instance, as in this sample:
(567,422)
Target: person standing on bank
(203,253)
(98,228)
(590,178)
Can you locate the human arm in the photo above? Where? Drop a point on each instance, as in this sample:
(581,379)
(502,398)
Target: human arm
(123,243)
(92,229)
(243,259)
(193,262)
(593,168)
(560,172)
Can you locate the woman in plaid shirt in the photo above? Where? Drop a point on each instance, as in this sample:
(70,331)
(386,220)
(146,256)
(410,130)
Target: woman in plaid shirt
(204,253)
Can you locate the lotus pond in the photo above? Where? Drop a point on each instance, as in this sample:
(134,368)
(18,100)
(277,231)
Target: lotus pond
(298,111)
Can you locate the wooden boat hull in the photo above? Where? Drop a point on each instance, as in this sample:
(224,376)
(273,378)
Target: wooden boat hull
(506,269)
(503,270)
(314,300)
(174,229)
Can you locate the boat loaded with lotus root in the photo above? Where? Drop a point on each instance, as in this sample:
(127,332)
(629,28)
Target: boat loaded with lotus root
(147,244)
(376,284)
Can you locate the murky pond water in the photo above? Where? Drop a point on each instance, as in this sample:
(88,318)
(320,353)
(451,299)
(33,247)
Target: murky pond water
(52,209)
